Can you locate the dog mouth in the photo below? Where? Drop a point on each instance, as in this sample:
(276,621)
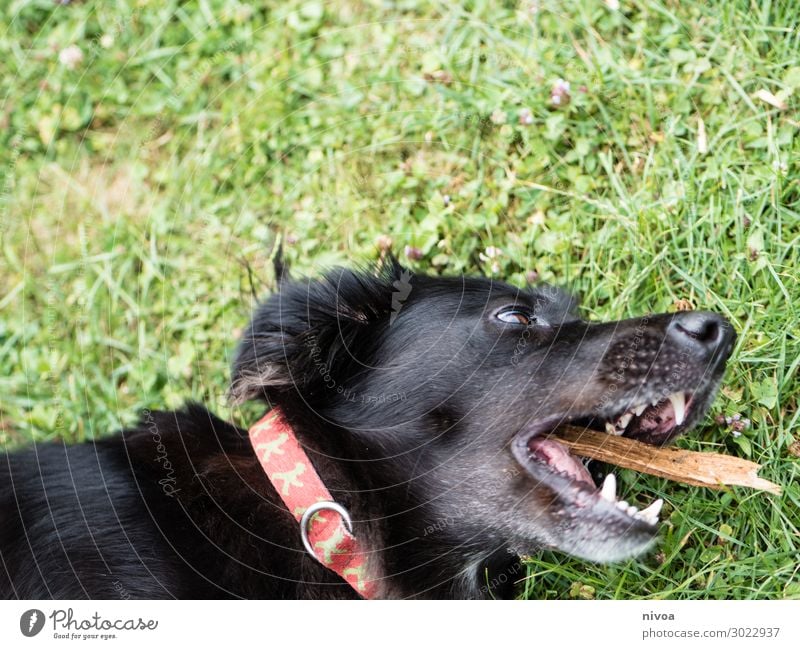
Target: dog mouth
(656,422)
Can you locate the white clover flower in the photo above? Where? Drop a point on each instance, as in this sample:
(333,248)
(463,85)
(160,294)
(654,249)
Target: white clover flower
(525,117)
(71,56)
(559,95)
(491,254)
(498,116)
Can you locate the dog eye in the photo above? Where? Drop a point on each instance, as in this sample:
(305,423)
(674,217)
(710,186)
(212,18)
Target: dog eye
(516,316)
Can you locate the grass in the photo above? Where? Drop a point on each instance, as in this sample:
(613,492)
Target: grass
(143,185)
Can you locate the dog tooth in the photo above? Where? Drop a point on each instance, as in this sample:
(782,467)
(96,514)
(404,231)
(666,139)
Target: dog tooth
(609,489)
(632,511)
(624,420)
(638,410)
(651,512)
(610,428)
(647,519)
(623,505)
(679,406)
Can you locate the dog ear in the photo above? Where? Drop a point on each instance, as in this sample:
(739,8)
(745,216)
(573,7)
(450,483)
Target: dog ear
(303,336)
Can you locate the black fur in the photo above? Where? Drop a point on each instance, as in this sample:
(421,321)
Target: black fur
(407,392)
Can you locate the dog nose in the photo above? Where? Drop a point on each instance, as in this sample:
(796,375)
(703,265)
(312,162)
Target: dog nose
(700,330)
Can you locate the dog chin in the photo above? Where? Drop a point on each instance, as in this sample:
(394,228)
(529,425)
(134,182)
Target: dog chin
(609,549)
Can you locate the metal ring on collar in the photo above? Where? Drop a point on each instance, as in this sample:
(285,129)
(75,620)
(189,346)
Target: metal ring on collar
(313,509)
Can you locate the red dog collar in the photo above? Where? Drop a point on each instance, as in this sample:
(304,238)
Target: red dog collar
(326,537)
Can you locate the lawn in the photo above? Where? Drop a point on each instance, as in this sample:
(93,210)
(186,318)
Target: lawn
(154,151)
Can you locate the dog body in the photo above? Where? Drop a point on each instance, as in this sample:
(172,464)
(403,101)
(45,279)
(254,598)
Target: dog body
(423,403)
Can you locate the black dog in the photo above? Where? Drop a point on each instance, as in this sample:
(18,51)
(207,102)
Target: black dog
(424,404)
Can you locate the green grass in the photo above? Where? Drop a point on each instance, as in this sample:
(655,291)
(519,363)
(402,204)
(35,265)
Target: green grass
(142,190)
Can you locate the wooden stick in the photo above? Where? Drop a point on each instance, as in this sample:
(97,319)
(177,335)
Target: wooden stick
(702,469)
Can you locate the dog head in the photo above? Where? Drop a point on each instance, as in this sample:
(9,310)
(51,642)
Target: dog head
(445,389)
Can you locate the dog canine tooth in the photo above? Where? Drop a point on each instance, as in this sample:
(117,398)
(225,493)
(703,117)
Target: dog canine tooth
(639,410)
(650,521)
(609,489)
(679,406)
(625,420)
(651,512)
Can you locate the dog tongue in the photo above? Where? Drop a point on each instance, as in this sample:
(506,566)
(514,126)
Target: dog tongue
(558,457)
